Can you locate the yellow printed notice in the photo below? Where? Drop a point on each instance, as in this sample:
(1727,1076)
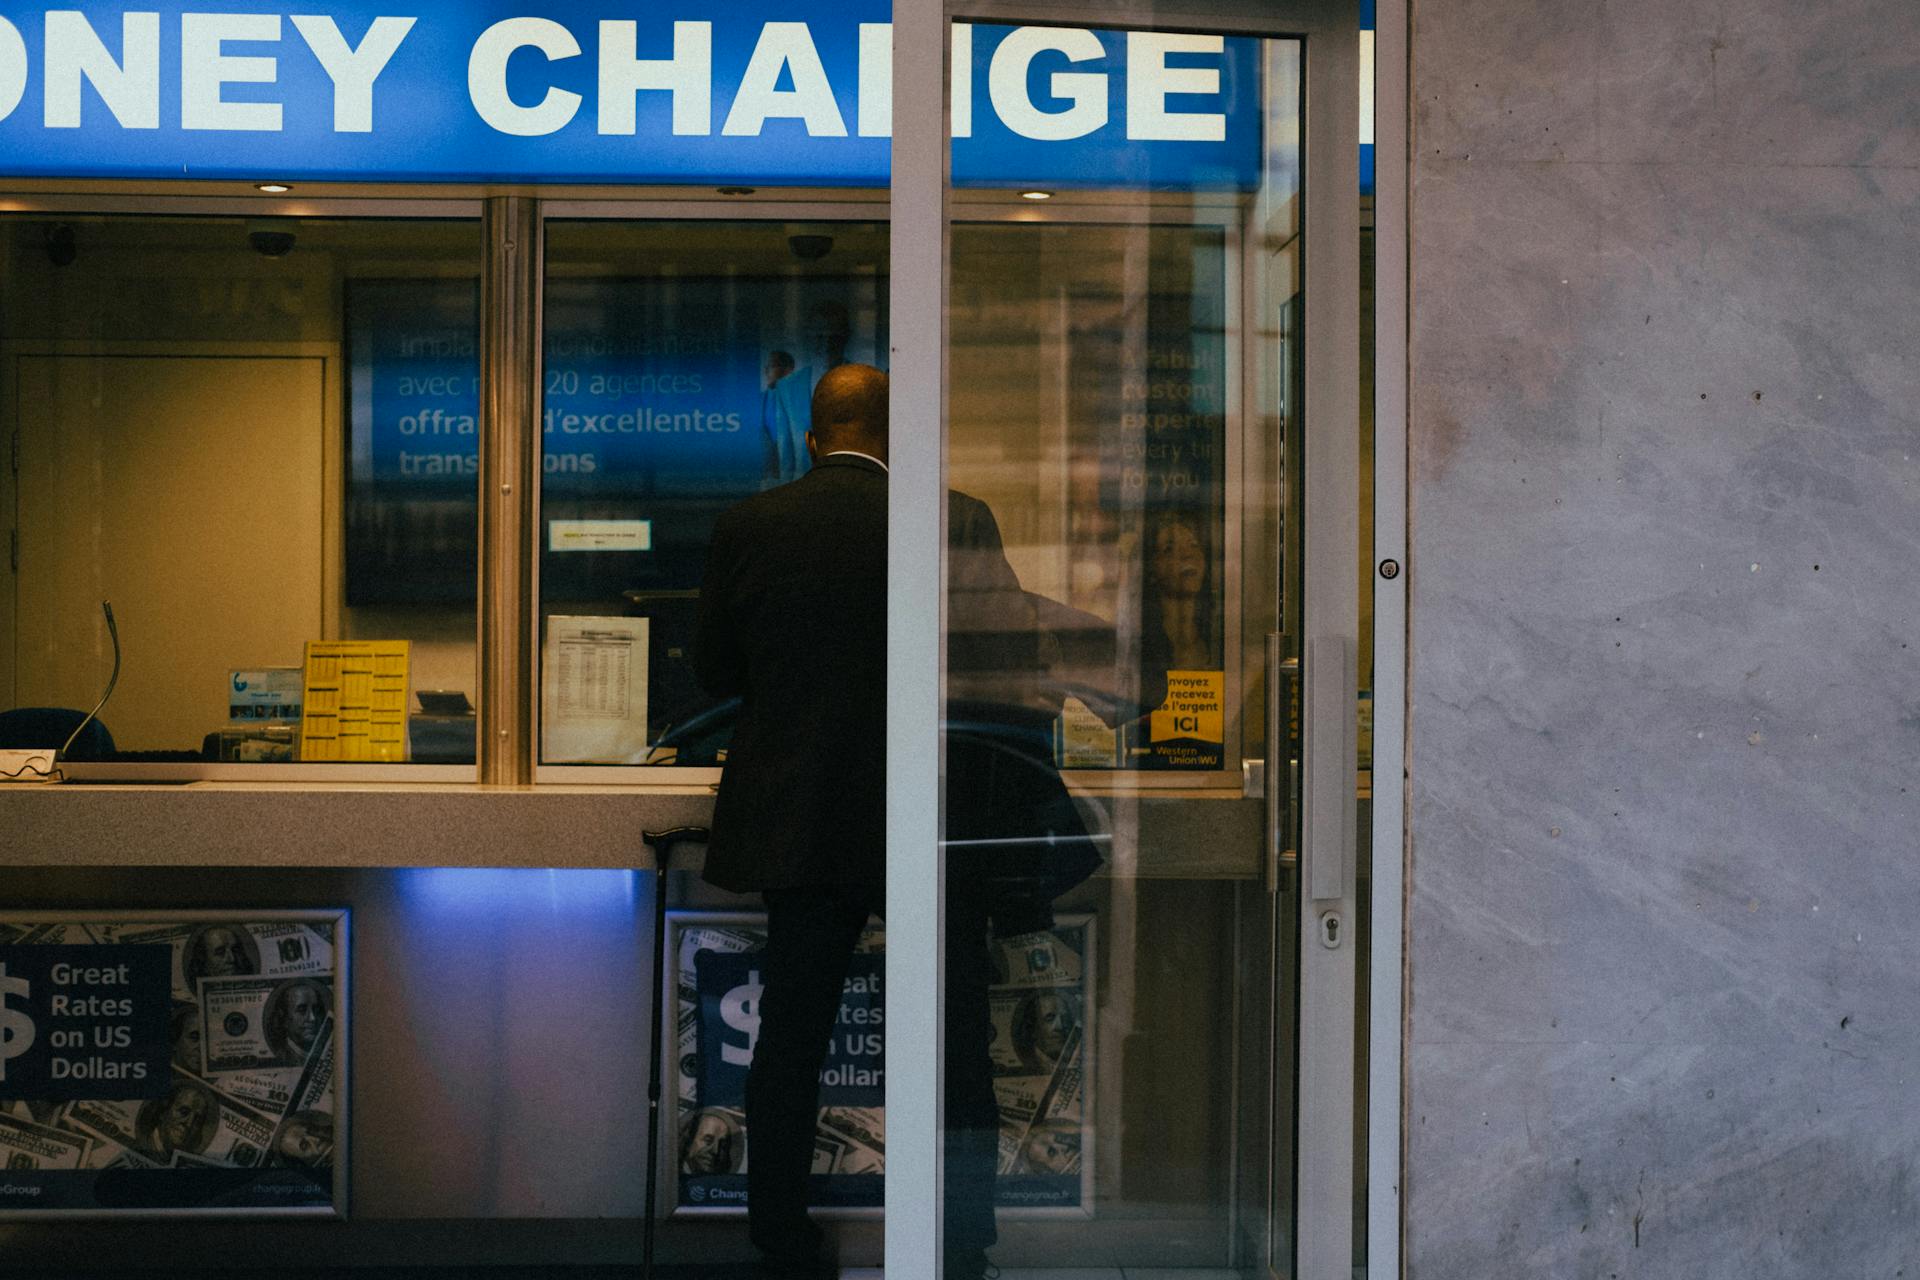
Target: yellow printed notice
(355,700)
(1189,729)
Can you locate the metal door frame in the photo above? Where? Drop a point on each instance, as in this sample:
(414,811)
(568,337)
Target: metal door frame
(919,256)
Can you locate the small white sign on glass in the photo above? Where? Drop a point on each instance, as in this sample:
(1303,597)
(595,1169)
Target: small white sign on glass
(594,691)
(600,535)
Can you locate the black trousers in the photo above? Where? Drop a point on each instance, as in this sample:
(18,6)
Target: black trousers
(811,934)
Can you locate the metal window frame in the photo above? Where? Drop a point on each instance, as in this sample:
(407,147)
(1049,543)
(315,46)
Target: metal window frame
(127,200)
(860,205)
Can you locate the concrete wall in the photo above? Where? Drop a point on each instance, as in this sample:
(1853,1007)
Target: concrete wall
(1666,523)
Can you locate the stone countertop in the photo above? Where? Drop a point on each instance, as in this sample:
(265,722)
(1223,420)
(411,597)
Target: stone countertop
(1180,834)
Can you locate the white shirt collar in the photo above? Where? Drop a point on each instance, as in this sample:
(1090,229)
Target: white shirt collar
(855,453)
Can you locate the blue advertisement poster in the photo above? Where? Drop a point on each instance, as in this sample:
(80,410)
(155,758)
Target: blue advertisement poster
(664,400)
(161,1064)
(1041,1004)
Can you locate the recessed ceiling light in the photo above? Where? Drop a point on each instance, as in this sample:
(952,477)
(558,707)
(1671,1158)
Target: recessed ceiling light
(272,188)
(1036,195)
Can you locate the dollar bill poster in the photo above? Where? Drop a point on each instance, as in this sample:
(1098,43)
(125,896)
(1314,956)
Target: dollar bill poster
(173,1062)
(1042,1009)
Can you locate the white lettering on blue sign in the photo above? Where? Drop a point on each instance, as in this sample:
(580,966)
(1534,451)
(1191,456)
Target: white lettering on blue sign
(785,47)
(748,96)
(687,75)
(1150,81)
(352,70)
(1085,91)
(487,77)
(129,88)
(206,68)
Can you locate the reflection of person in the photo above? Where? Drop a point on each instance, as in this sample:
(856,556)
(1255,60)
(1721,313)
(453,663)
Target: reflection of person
(1041,1023)
(183,1031)
(793,622)
(306,1139)
(711,1142)
(828,330)
(779,365)
(1177,623)
(294,1013)
(1051,1146)
(181,1119)
(219,951)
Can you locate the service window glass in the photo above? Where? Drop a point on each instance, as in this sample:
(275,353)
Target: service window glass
(257,439)
(680,361)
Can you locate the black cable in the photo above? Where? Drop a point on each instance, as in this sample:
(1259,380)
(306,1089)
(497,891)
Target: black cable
(16,774)
(113,633)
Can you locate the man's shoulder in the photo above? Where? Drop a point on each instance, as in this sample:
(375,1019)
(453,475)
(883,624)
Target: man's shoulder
(839,478)
(959,503)
(820,486)
(970,522)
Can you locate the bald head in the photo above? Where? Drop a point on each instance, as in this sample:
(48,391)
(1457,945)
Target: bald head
(850,412)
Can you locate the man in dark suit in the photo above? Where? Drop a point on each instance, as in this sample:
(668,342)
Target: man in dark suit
(793,622)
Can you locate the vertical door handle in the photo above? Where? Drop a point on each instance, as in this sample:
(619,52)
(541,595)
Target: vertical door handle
(1279,775)
(1329,819)
(1282,765)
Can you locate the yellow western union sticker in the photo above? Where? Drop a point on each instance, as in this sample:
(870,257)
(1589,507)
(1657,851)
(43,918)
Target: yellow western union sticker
(1195,709)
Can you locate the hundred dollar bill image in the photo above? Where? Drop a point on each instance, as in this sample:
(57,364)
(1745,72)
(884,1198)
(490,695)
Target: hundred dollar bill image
(51,935)
(191,1116)
(110,1122)
(288,950)
(713,1141)
(250,1023)
(266,1091)
(837,1154)
(862,1133)
(182,1160)
(233,1016)
(280,1090)
(125,1159)
(304,1133)
(240,1136)
(1035,960)
(314,1089)
(25,1145)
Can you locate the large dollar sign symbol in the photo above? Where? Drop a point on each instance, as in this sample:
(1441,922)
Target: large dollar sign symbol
(740,1009)
(16,1028)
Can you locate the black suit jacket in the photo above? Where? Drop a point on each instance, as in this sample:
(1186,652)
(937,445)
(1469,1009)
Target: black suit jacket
(793,621)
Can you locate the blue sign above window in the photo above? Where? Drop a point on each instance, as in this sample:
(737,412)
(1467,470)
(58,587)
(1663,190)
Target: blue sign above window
(485,91)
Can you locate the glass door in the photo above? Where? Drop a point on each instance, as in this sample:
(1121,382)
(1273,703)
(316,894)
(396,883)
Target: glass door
(1144,507)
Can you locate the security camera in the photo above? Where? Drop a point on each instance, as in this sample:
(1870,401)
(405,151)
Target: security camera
(810,248)
(61,249)
(271,244)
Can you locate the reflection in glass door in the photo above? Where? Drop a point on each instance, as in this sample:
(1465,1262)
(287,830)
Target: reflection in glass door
(1150,640)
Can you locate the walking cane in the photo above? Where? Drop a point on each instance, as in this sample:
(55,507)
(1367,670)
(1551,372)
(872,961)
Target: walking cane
(661,842)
